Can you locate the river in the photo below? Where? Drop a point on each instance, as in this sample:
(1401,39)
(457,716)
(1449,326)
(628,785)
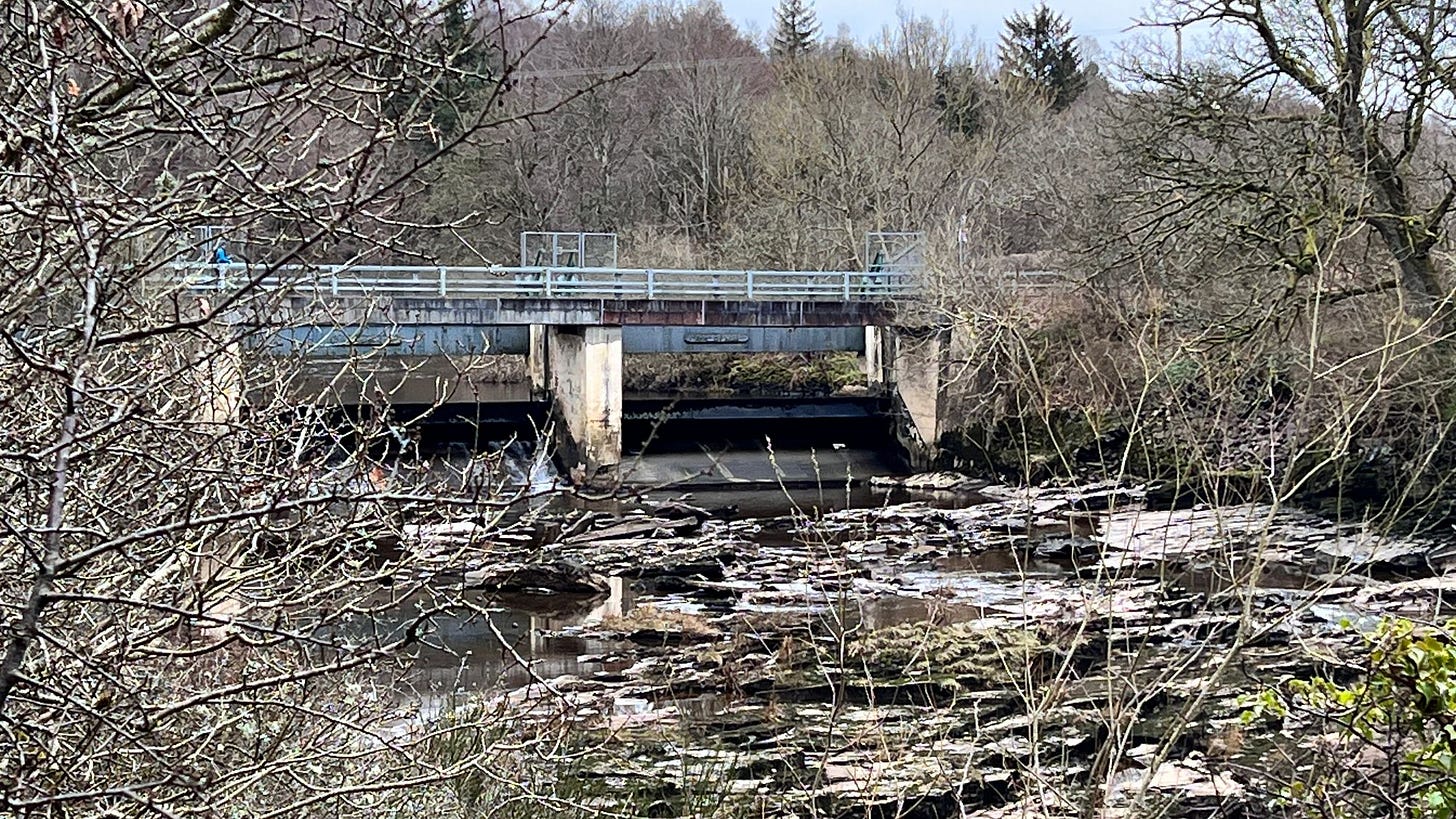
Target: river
(898,646)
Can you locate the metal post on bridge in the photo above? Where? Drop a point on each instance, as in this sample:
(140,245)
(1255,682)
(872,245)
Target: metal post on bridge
(748,275)
(443,290)
(651,284)
(890,258)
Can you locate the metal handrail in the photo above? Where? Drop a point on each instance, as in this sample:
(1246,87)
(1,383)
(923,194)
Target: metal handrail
(558,282)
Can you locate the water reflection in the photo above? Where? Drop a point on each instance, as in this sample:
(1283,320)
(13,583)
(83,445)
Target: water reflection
(516,641)
(490,643)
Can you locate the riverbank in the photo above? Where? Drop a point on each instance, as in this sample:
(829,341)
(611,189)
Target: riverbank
(1401,480)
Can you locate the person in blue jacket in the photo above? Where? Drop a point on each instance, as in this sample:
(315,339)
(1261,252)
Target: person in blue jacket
(220,257)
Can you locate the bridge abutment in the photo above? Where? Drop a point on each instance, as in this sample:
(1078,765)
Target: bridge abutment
(585,376)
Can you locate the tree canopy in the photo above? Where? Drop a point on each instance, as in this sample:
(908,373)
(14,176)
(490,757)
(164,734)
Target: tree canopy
(795,29)
(1039,51)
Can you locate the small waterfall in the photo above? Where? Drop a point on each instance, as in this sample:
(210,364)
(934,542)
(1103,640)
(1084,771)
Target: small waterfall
(526,464)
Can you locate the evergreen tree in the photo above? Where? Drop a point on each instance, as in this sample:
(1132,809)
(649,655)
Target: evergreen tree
(1039,51)
(960,97)
(795,29)
(437,112)
(471,61)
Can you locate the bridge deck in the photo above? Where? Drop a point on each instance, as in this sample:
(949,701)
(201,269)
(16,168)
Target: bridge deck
(617,284)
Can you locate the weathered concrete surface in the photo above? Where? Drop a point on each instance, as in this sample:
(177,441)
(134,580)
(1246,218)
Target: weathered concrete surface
(514,339)
(878,353)
(789,468)
(400,380)
(396,340)
(222,374)
(918,372)
(414,311)
(538,361)
(586,384)
(641,339)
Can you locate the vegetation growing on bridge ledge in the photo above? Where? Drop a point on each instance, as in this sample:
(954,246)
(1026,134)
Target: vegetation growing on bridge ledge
(737,373)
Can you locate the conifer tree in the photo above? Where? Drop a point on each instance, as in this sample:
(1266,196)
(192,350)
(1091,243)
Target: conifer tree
(1038,51)
(795,29)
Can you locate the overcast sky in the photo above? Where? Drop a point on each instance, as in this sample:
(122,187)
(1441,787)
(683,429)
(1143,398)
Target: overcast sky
(1101,20)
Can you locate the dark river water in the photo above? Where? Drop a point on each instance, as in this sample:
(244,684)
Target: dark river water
(496,643)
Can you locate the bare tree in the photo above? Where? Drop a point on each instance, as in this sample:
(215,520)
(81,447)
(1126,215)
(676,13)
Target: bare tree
(1378,75)
(192,590)
(851,141)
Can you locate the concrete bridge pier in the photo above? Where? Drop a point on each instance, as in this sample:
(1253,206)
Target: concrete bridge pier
(879,353)
(222,373)
(221,377)
(538,365)
(585,375)
(917,370)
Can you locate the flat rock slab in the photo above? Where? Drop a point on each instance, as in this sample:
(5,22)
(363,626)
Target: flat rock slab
(561,577)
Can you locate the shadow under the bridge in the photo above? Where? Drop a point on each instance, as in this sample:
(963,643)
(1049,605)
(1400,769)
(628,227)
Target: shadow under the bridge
(799,441)
(455,408)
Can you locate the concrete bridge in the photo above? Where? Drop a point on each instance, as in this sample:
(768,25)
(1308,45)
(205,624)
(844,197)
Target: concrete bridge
(575,324)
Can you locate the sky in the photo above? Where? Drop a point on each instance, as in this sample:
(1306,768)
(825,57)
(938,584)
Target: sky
(1100,20)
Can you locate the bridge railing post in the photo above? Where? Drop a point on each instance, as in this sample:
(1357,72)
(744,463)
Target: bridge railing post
(749,277)
(548,282)
(443,290)
(333,281)
(846,285)
(651,284)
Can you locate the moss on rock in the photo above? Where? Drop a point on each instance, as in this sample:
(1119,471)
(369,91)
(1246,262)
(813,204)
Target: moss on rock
(969,652)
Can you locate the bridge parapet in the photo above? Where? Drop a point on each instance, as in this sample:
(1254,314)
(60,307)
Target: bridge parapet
(605,283)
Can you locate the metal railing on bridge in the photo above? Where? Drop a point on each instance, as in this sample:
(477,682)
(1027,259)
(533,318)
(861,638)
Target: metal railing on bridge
(556,282)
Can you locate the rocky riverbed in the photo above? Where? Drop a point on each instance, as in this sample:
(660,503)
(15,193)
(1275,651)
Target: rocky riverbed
(997,652)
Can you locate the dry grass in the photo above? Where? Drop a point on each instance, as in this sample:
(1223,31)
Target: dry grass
(651,619)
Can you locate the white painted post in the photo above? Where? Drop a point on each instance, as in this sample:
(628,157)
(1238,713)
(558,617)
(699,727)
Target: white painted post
(334,281)
(749,276)
(442,281)
(651,285)
(548,282)
(846,285)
